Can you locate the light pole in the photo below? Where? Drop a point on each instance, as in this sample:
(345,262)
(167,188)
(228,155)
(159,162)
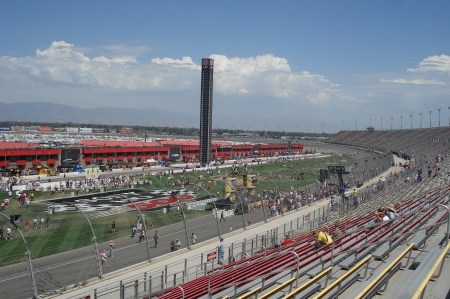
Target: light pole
(430,117)
(401,122)
(411,122)
(174,195)
(94,239)
(215,207)
(356,125)
(421,119)
(392,120)
(381,123)
(34,289)
(145,230)
(439,118)
(370,122)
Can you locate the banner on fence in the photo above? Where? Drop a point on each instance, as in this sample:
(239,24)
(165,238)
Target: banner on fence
(211,256)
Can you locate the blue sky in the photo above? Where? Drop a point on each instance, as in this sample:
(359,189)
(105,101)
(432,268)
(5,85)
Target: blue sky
(289,65)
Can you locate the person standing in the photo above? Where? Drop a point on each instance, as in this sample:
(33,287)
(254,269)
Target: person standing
(177,245)
(6,200)
(111,248)
(141,236)
(41,223)
(113,227)
(221,251)
(193,238)
(27,224)
(48,221)
(156,238)
(133,231)
(8,233)
(172,246)
(103,258)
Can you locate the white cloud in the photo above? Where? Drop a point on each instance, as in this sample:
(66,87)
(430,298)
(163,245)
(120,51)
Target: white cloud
(413,81)
(260,76)
(433,63)
(185,62)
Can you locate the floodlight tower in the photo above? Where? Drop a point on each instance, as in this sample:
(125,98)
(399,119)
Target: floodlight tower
(206,101)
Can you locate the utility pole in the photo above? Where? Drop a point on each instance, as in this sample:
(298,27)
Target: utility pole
(439,118)
(430,118)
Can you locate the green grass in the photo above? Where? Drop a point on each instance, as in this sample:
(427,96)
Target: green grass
(70,230)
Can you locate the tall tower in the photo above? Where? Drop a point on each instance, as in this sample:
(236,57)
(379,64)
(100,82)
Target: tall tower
(206,102)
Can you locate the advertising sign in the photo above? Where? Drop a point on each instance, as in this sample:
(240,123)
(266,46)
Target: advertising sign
(211,256)
(85,130)
(72,129)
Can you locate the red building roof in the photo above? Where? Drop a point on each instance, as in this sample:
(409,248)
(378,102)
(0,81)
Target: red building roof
(107,143)
(189,143)
(17,145)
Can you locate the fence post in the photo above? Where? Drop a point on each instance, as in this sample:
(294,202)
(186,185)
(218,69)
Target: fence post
(122,290)
(145,281)
(165,273)
(150,285)
(201,261)
(136,288)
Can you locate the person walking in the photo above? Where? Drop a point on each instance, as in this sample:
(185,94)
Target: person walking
(156,238)
(222,217)
(133,231)
(103,258)
(221,251)
(193,238)
(111,248)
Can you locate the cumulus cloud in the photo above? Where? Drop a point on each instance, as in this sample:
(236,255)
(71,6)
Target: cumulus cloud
(267,75)
(260,76)
(434,63)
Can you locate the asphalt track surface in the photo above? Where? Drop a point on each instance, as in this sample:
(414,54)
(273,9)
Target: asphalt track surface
(55,271)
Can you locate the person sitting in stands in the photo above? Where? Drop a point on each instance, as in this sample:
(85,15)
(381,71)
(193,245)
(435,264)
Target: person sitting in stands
(322,239)
(379,217)
(337,232)
(286,241)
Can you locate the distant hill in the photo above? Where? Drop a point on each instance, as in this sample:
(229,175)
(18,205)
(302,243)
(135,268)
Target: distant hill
(50,112)
(227,118)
